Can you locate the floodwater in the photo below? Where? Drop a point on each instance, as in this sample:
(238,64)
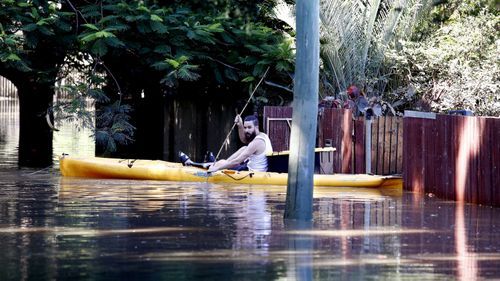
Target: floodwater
(54,228)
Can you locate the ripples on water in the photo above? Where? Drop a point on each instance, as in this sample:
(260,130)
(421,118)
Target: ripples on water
(66,228)
(86,229)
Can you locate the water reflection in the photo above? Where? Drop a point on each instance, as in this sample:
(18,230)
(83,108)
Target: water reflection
(71,138)
(9,131)
(53,227)
(466,261)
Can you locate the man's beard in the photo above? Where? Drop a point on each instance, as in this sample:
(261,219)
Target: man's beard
(250,136)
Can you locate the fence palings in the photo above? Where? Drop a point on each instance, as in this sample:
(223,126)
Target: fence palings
(387,146)
(359,166)
(277,122)
(454,157)
(335,129)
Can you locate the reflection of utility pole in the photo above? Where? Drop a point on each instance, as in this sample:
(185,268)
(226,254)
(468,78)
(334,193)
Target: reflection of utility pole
(301,245)
(305,110)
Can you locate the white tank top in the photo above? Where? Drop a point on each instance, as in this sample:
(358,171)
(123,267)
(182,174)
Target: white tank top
(258,163)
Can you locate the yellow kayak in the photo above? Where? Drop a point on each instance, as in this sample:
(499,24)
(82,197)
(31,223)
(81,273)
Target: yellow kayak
(111,168)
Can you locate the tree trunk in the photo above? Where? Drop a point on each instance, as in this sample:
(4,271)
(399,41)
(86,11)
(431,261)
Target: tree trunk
(35,135)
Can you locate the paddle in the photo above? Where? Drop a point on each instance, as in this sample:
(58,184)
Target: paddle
(234,124)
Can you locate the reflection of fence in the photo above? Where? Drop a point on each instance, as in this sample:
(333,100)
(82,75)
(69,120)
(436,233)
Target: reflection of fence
(7,88)
(337,128)
(454,157)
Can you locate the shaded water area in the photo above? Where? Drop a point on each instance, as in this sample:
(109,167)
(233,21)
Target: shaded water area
(54,228)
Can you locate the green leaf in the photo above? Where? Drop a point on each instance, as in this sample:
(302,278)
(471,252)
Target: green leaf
(96,35)
(159,27)
(143,9)
(156,18)
(13,57)
(42,22)
(114,42)
(173,63)
(45,31)
(248,79)
(161,65)
(104,34)
(91,26)
(22,4)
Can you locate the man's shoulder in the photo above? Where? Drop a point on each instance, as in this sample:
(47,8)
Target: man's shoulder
(260,136)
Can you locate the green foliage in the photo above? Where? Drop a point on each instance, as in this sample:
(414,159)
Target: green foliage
(26,26)
(186,43)
(456,66)
(355,36)
(114,127)
(212,42)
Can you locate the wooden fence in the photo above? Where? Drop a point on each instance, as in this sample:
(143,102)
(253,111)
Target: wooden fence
(453,157)
(337,128)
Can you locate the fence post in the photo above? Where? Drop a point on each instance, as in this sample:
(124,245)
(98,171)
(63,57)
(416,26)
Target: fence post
(368,142)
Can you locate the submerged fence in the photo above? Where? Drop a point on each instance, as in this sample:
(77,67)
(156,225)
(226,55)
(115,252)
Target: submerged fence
(337,128)
(453,157)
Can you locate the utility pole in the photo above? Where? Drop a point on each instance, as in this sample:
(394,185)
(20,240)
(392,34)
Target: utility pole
(299,194)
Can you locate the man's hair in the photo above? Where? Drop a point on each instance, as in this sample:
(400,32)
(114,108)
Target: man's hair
(252,118)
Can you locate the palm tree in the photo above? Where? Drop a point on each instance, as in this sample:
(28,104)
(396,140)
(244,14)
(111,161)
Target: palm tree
(354,37)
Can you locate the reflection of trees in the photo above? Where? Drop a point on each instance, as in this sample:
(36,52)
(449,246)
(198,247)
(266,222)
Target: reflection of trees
(9,123)
(205,218)
(26,204)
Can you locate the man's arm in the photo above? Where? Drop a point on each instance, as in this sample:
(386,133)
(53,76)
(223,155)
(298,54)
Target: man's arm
(241,129)
(239,156)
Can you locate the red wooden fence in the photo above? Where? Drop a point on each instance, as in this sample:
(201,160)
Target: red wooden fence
(337,128)
(453,157)
(277,122)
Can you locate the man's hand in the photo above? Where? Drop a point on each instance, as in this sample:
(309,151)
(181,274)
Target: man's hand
(238,120)
(212,169)
(216,166)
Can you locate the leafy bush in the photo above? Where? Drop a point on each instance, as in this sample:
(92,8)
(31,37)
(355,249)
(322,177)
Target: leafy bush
(455,66)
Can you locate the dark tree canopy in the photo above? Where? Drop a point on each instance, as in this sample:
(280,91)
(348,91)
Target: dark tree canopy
(160,44)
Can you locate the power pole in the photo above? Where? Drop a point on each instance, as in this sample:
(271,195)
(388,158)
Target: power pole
(299,194)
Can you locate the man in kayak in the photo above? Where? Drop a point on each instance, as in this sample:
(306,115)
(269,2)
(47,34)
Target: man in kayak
(251,157)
